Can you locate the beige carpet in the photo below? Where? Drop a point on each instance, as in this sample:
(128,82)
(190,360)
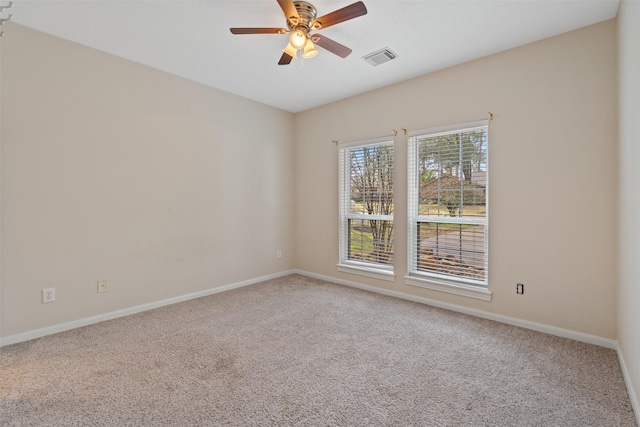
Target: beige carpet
(299,351)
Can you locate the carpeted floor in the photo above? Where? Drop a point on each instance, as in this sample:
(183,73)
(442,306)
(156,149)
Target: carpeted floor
(299,351)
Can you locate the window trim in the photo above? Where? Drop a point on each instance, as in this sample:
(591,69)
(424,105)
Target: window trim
(444,283)
(367,270)
(345,265)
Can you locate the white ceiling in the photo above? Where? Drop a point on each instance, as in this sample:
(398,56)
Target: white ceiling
(191,38)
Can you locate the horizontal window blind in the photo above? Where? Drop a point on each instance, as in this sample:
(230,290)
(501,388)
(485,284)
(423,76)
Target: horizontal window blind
(452,173)
(451,249)
(366,203)
(448,191)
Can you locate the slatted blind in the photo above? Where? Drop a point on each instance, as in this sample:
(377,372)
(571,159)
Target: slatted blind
(366,203)
(448,191)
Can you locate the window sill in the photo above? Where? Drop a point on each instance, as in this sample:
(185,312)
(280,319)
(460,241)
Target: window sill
(365,270)
(449,287)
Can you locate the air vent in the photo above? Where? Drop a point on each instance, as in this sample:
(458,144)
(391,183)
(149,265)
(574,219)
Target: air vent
(380,57)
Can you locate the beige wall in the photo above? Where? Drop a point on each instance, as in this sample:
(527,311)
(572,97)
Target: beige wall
(163,186)
(553,155)
(112,170)
(629,287)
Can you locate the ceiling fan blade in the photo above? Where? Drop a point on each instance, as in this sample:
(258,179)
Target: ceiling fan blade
(285,59)
(258,30)
(348,12)
(332,46)
(289,9)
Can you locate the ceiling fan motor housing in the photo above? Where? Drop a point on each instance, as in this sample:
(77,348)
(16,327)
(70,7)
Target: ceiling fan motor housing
(307,13)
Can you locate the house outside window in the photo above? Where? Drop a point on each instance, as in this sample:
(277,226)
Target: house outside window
(366,208)
(448,208)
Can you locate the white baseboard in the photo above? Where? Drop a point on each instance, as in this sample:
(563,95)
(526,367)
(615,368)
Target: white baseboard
(552,330)
(578,336)
(38,333)
(630,390)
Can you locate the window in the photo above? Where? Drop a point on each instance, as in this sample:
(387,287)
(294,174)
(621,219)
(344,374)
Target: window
(366,209)
(448,219)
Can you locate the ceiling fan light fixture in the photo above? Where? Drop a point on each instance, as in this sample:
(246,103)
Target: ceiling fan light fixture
(297,39)
(309,50)
(290,50)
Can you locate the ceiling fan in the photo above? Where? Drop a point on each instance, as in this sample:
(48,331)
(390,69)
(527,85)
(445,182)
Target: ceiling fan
(301,21)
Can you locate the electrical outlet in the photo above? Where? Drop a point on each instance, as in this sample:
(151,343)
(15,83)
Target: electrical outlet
(279,253)
(520,288)
(48,295)
(102,286)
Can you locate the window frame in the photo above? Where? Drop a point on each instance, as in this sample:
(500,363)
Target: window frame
(346,265)
(432,280)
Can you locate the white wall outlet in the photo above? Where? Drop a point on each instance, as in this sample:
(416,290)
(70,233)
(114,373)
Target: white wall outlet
(102,286)
(279,253)
(48,295)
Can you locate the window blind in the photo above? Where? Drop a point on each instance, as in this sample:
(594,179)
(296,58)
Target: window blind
(366,203)
(448,215)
